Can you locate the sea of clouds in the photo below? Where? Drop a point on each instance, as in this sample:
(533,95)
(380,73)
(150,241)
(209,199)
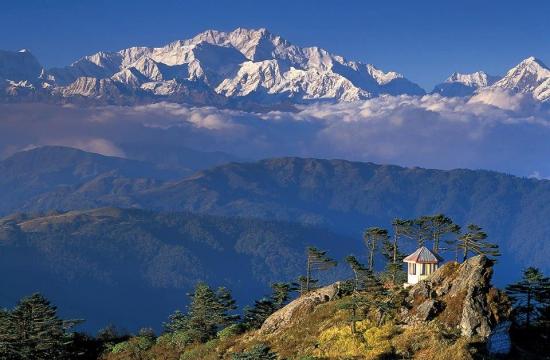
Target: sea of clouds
(493,130)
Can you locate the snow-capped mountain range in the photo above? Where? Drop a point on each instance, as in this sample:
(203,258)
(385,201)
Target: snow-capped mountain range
(244,67)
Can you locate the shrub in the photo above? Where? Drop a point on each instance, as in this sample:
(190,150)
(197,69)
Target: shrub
(258,352)
(201,351)
(338,341)
(370,342)
(231,330)
(134,346)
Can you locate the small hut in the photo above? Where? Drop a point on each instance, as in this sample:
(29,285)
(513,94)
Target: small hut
(420,264)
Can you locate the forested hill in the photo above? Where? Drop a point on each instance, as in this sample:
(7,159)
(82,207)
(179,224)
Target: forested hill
(133,267)
(350,196)
(341,195)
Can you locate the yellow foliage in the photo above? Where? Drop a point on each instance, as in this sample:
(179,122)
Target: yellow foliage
(370,342)
(378,340)
(429,341)
(339,342)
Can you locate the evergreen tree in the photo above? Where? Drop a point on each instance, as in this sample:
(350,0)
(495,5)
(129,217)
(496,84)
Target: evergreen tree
(355,302)
(400,229)
(393,272)
(529,295)
(436,228)
(281,293)
(208,312)
(32,330)
(254,317)
(258,352)
(302,282)
(361,274)
(473,241)
(317,260)
(411,229)
(176,322)
(373,237)
(7,337)
(226,305)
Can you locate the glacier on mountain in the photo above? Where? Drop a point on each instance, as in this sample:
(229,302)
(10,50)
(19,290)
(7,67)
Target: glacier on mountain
(247,68)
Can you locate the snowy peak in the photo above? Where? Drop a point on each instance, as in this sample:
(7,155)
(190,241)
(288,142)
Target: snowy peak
(459,84)
(531,76)
(244,65)
(476,79)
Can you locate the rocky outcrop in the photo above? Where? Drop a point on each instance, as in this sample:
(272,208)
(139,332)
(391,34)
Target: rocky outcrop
(298,309)
(459,296)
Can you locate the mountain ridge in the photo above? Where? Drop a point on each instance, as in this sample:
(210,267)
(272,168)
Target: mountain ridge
(242,68)
(340,195)
(224,65)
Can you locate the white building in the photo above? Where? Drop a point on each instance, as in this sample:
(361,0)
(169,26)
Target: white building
(420,264)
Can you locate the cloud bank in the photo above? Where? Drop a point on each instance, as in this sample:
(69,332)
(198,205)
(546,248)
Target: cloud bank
(492,130)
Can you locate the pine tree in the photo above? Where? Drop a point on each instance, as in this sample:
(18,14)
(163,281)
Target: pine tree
(529,295)
(317,260)
(411,229)
(176,322)
(361,276)
(207,313)
(281,293)
(302,282)
(436,228)
(226,305)
(254,317)
(7,336)
(36,330)
(373,237)
(473,241)
(393,272)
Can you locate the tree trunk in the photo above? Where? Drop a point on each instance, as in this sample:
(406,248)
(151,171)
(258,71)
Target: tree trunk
(528,321)
(394,248)
(308,274)
(353,316)
(371,258)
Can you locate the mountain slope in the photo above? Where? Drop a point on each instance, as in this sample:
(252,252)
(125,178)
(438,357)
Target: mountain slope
(216,68)
(30,173)
(140,262)
(348,196)
(44,176)
(341,195)
(531,76)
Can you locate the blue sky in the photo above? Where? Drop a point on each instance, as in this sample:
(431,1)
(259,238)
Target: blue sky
(425,40)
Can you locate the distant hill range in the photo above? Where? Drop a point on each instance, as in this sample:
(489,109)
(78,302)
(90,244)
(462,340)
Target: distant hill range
(259,215)
(107,265)
(245,68)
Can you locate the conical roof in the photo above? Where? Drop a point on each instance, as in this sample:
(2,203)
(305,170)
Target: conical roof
(423,255)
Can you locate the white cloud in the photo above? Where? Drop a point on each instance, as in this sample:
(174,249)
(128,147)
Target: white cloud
(495,130)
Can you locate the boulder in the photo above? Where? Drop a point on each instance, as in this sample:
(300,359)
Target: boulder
(297,309)
(459,296)
(428,310)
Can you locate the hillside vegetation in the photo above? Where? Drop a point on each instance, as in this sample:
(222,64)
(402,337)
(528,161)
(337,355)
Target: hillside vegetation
(109,264)
(317,326)
(340,195)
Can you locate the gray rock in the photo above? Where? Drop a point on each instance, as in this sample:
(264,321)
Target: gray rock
(295,311)
(457,295)
(427,310)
